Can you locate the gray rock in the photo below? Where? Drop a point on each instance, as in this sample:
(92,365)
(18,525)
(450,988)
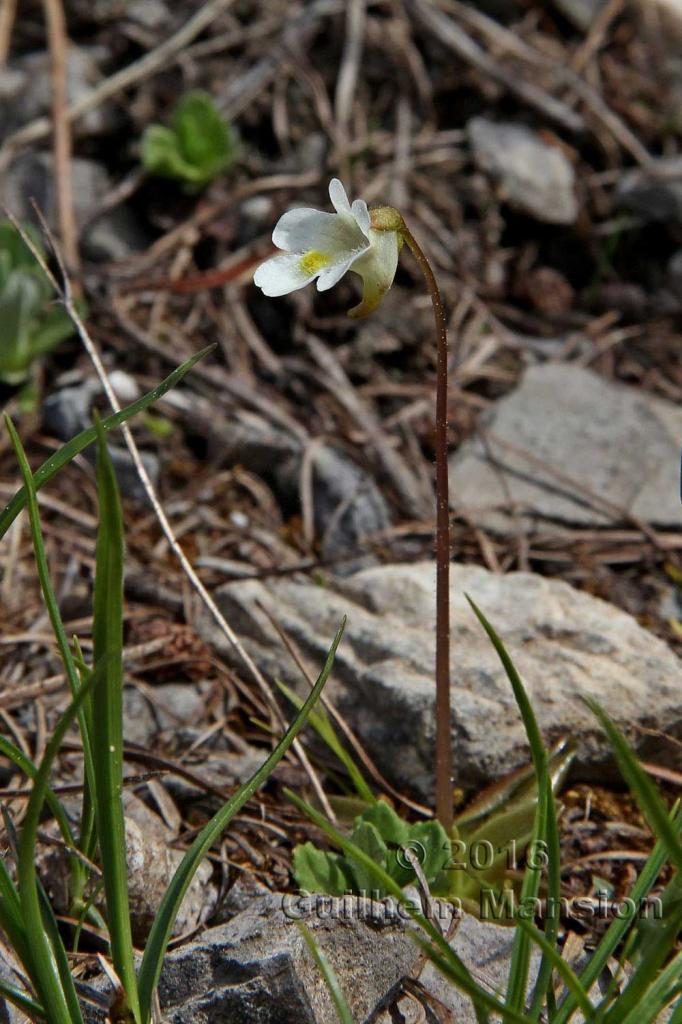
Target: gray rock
(68,411)
(26,86)
(169,706)
(533,176)
(616,441)
(348,505)
(257,967)
(152,14)
(152,862)
(582,13)
(565,643)
(29,178)
(654,193)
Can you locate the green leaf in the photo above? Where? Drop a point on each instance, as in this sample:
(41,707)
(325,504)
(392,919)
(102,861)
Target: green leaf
(320,871)
(159,936)
(367,838)
(322,725)
(54,989)
(28,326)
(20,302)
(196,148)
(107,721)
(643,789)
(619,927)
(431,838)
(202,133)
(388,824)
(161,155)
(545,831)
(23,1002)
(437,948)
(77,444)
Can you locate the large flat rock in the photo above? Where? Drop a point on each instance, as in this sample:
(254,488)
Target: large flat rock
(562,433)
(565,643)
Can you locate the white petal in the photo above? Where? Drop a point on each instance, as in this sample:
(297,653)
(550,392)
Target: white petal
(376,267)
(332,275)
(337,194)
(282,274)
(361,216)
(304,229)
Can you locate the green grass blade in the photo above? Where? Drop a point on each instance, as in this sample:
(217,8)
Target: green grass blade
(442,955)
(33,1010)
(79,873)
(329,975)
(643,789)
(666,988)
(159,936)
(639,988)
(45,977)
(543,982)
(107,721)
(321,723)
(12,920)
(545,831)
(26,765)
(676,1017)
(86,437)
(618,928)
(555,959)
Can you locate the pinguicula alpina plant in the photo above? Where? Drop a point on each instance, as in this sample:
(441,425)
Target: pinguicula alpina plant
(323,247)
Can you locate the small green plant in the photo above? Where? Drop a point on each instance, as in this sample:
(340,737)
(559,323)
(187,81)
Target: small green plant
(31,324)
(388,840)
(26,917)
(638,953)
(197,147)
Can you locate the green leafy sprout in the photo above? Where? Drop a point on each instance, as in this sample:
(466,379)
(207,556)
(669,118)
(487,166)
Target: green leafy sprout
(197,147)
(637,948)
(32,324)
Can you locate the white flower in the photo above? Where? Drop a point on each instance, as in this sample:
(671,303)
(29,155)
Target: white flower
(327,245)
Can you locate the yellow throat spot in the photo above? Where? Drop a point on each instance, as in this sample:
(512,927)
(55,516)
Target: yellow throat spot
(312,262)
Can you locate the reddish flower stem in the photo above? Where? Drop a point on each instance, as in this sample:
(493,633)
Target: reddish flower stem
(444,760)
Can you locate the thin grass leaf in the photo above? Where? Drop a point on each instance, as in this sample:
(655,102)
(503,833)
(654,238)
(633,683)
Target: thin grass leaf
(60,955)
(643,789)
(25,764)
(79,873)
(676,1017)
(569,978)
(619,927)
(437,949)
(86,437)
(638,988)
(321,723)
(107,721)
(23,1002)
(658,996)
(159,936)
(329,975)
(12,919)
(44,972)
(543,983)
(544,832)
